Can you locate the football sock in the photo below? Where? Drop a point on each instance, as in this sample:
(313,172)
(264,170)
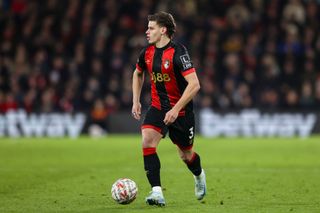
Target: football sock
(194,164)
(152,166)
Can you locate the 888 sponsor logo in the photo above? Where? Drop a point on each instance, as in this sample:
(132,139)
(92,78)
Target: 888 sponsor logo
(159,77)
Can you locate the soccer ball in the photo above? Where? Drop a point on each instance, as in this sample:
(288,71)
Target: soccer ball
(124,191)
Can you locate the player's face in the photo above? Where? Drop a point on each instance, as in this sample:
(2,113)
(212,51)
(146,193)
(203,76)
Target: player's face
(154,32)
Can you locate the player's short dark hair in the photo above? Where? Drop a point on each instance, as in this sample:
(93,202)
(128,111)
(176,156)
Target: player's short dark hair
(164,19)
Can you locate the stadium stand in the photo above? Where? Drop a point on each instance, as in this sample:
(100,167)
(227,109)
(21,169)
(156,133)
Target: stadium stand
(76,55)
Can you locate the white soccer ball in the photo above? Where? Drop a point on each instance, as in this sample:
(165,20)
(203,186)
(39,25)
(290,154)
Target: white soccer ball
(124,191)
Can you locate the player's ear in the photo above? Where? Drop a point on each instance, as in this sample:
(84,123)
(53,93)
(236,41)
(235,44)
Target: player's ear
(163,30)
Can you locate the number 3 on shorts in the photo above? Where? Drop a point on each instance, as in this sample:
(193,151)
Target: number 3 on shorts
(191,133)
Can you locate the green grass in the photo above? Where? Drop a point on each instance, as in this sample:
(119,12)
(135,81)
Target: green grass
(243,175)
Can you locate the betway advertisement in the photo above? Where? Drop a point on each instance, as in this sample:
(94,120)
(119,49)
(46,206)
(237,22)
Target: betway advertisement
(245,123)
(256,123)
(20,124)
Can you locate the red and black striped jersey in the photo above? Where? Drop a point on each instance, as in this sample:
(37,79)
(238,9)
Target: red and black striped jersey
(167,67)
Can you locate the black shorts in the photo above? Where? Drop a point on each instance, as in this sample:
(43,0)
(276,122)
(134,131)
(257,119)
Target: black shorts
(181,132)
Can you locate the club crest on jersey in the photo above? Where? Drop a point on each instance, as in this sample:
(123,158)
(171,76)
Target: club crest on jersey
(166,64)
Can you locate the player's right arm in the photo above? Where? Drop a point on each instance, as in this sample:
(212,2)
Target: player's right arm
(137,83)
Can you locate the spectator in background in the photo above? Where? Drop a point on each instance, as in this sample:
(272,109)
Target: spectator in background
(10,102)
(294,11)
(29,101)
(99,114)
(307,97)
(48,101)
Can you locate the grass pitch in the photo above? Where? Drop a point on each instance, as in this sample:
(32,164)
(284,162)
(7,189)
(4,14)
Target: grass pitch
(243,175)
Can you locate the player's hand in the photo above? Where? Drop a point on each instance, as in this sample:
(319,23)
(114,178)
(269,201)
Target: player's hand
(170,117)
(136,111)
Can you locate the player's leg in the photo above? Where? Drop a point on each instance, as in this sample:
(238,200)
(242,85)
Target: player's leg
(150,141)
(182,134)
(152,132)
(193,162)
(191,159)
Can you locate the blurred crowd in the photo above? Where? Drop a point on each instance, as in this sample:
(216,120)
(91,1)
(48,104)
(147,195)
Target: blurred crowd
(78,55)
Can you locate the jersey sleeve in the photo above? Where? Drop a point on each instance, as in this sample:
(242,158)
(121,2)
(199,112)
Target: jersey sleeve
(182,61)
(141,63)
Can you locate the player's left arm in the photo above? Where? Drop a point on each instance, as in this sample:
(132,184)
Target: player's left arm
(189,92)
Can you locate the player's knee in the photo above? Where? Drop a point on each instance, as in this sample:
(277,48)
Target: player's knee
(150,138)
(148,142)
